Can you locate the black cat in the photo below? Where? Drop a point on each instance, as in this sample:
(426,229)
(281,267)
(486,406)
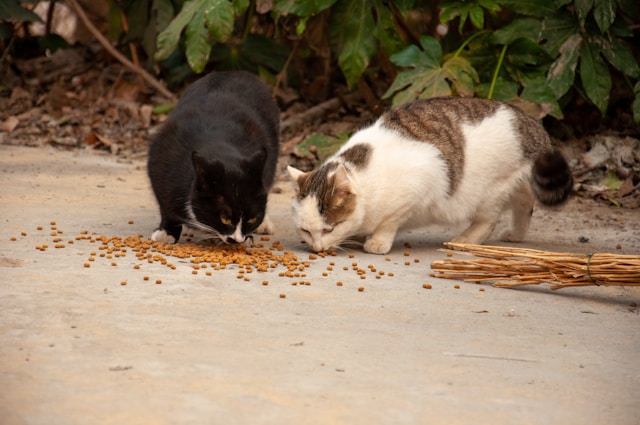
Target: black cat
(212,163)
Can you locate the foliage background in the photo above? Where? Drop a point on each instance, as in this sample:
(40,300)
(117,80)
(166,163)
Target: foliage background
(543,56)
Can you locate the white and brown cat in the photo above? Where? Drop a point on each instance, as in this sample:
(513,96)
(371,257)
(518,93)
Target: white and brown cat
(441,160)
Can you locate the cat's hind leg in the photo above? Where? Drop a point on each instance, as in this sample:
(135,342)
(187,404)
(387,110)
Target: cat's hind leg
(521,205)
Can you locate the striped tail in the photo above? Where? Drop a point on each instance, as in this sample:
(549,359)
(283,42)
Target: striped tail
(551,181)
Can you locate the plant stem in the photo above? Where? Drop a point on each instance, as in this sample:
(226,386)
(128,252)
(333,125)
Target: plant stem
(497,70)
(468,40)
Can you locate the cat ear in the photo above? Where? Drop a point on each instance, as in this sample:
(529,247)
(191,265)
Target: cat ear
(341,181)
(207,172)
(297,177)
(256,162)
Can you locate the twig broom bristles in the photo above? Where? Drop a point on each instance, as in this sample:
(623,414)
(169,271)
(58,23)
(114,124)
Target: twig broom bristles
(509,267)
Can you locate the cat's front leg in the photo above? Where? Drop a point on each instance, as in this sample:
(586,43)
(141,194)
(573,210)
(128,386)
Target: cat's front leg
(381,241)
(266,227)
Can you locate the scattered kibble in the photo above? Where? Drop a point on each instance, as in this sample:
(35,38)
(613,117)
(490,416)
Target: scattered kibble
(124,282)
(145,277)
(426,286)
(283,295)
(265,282)
(338,283)
(456,286)
(158,281)
(481,289)
(361,288)
(23,233)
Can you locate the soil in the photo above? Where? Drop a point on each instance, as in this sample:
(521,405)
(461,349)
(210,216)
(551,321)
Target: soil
(78,98)
(78,346)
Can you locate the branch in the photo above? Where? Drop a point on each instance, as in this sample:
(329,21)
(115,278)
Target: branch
(116,54)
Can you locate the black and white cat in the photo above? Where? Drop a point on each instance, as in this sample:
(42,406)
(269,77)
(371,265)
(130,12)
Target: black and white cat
(213,162)
(442,160)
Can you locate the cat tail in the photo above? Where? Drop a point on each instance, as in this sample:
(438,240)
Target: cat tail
(552,182)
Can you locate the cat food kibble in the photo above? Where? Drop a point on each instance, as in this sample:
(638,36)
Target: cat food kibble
(426,286)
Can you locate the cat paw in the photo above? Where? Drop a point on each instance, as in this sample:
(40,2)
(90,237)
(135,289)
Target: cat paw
(160,235)
(510,236)
(376,246)
(460,240)
(266,228)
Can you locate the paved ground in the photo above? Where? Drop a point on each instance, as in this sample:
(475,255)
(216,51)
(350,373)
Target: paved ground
(77,347)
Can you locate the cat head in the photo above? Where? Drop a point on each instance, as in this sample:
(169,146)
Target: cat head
(228,200)
(325,208)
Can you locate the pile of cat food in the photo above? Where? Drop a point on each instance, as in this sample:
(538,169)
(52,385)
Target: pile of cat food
(256,261)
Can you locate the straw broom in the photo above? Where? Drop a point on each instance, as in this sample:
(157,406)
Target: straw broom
(509,267)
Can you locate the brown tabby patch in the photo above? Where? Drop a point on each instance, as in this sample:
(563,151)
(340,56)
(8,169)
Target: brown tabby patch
(357,155)
(335,204)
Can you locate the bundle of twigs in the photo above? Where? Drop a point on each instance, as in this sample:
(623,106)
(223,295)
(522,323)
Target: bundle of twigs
(509,267)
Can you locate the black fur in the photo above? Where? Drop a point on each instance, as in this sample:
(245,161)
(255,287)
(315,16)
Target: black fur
(552,182)
(216,156)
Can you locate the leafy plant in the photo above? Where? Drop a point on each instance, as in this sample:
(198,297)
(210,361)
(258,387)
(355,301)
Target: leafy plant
(535,57)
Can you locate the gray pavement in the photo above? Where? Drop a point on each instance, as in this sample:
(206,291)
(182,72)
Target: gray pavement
(77,347)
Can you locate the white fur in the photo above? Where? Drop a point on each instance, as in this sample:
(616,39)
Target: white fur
(405,185)
(162,236)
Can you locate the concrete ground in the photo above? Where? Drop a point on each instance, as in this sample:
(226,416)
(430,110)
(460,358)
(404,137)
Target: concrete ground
(77,347)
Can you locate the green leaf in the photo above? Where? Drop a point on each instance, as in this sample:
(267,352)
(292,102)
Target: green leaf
(604,13)
(198,47)
(596,78)
(556,30)
(520,27)
(476,15)
(322,145)
(537,91)
(169,38)
(503,89)
(219,18)
(351,29)
(11,10)
(303,9)
(427,76)
(562,72)
(240,7)
(583,7)
(621,57)
(404,6)
(534,7)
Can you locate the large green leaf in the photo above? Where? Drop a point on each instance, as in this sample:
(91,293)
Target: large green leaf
(520,27)
(556,29)
(303,9)
(562,72)
(620,56)
(596,78)
(352,28)
(169,38)
(198,47)
(534,7)
(11,9)
(219,18)
(583,7)
(537,91)
(427,76)
(604,13)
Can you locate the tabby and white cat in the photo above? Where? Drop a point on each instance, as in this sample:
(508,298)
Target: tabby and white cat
(212,163)
(442,160)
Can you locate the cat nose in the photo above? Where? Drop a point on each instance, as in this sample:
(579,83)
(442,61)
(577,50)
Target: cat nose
(234,240)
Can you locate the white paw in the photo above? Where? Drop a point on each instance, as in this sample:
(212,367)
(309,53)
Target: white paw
(162,236)
(509,236)
(376,246)
(266,228)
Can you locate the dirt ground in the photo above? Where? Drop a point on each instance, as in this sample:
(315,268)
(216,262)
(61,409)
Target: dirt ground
(78,347)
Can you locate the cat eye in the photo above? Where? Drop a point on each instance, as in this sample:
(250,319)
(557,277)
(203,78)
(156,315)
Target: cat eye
(327,230)
(252,220)
(305,231)
(225,221)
